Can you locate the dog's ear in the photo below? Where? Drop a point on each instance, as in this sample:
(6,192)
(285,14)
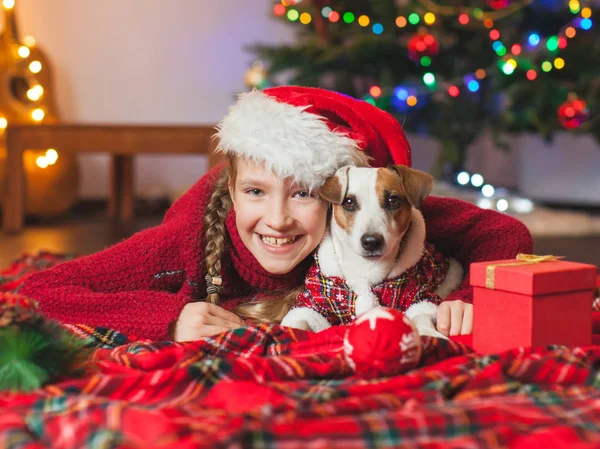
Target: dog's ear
(334,188)
(416,184)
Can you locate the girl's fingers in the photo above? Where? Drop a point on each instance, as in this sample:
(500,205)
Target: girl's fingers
(456,318)
(443,318)
(467,324)
(226,315)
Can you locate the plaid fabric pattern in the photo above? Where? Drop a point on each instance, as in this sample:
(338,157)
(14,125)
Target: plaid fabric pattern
(333,299)
(272,387)
(12,277)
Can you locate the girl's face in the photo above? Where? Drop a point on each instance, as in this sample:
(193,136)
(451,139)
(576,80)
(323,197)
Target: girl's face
(279,222)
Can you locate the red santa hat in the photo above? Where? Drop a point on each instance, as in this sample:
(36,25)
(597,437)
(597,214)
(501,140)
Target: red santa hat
(308,133)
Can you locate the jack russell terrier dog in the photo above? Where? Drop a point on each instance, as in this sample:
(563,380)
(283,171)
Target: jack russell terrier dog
(374,253)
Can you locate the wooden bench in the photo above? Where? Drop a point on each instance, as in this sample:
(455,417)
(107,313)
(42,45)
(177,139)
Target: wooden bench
(122,142)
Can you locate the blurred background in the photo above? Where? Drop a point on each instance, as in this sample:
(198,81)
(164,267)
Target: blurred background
(500,99)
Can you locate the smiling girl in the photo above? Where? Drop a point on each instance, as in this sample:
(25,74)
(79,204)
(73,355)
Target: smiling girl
(238,244)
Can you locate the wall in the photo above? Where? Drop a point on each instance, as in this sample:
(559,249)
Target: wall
(157,61)
(148,61)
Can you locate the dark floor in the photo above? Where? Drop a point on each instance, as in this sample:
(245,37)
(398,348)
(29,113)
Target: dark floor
(86,230)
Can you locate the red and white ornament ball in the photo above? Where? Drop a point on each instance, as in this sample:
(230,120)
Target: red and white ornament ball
(382,342)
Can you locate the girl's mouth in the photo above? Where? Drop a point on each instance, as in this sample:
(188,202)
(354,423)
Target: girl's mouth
(279,242)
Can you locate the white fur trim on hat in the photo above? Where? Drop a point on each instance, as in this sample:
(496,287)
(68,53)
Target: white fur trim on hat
(290,141)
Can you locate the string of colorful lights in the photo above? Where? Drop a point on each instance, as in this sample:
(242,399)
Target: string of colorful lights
(511,56)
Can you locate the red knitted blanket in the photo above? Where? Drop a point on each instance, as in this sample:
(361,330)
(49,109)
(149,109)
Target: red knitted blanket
(265,387)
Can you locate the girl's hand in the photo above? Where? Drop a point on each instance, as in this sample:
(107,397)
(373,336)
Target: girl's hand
(202,319)
(455,318)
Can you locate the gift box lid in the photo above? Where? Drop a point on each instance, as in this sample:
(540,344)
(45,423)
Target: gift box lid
(535,278)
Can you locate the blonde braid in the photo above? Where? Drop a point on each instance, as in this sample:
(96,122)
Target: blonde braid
(216,234)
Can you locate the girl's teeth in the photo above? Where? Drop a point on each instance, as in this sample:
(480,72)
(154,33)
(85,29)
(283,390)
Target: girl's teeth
(277,242)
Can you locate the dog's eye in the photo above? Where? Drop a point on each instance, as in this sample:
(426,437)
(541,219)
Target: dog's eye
(349,203)
(394,202)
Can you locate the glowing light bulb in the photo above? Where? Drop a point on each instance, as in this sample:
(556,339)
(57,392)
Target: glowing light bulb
(574,6)
(348,17)
(570,32)
(375,91)
(305,18)
(531,74)
(534,39)
(480,74)
(523,205)
(29,41)
(585,24)
(453,91)
(377,28)
(326,11)
(463,178)
(364,21)
(586,13)
(279,9)
(8,4)
(293,15)
(562,42)
(35,93)
(546,66)
(401,22)
(411,101)
(38,114)
(51,156)
(502,205)
(3,123)
(516,49)
(477,180)
(463,19)
(552,43)
(494,35)
(334,16)
(484,203)
(24,51)
(473,86)
(41,162)
(559,63)
(414,18)
(429,18)
(401,93)
(35,66)
(429,78)
(488,190)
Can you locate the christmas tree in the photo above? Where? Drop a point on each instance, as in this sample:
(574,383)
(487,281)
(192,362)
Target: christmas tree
(449,69)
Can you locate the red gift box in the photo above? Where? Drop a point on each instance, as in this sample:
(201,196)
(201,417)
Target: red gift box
(531,303)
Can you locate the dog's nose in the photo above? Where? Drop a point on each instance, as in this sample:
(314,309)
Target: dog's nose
(371,242)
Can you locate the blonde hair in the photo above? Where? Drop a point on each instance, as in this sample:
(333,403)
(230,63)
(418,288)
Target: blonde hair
(270,308)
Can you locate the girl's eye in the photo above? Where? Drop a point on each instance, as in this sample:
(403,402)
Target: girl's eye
(302,194)
(254,192)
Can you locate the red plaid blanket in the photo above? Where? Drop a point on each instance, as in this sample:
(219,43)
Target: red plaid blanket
(261,387)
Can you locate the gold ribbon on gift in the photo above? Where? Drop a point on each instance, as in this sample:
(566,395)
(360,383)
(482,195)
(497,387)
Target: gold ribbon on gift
(522,259)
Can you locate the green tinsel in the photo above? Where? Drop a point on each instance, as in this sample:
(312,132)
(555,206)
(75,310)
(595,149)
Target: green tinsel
(37,352)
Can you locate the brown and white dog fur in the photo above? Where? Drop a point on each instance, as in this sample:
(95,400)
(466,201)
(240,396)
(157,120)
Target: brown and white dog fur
(372,211)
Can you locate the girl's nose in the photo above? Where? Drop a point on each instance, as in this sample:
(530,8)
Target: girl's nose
(277,215)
